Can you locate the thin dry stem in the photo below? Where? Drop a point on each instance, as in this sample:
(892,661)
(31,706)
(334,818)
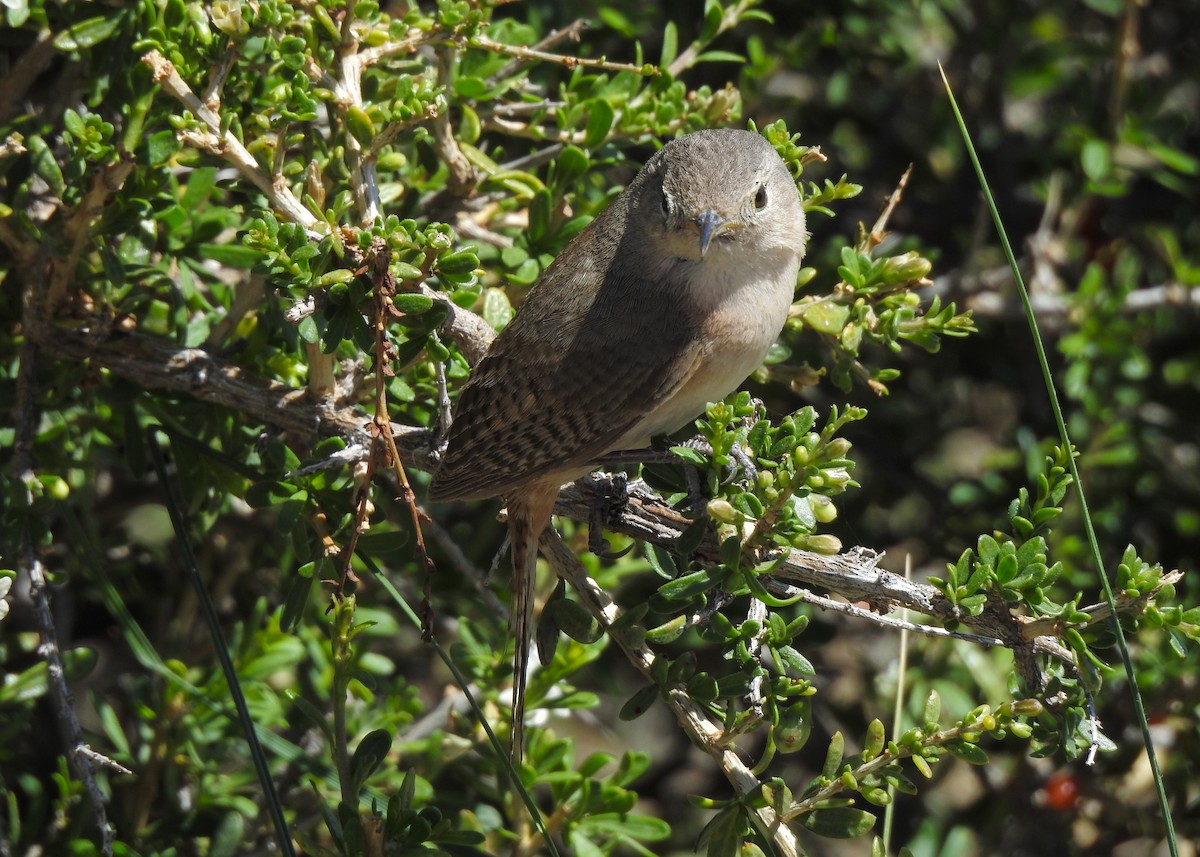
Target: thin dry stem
(567,60)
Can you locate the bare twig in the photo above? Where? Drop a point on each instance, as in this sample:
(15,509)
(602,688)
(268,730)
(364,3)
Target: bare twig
(1128,48)
(415,39)
(83,761)
(988,295)
(875,237)
(362,168)
(569,33)
(12,146)
(524,53)
(212,92)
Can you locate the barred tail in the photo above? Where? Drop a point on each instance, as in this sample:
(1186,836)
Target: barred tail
(528,516)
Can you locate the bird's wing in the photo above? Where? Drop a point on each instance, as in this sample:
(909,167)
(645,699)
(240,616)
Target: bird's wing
(536,407)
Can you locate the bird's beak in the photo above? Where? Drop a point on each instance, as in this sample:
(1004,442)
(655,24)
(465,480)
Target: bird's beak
(710,224)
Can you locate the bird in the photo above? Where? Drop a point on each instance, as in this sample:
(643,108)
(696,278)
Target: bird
(665,302)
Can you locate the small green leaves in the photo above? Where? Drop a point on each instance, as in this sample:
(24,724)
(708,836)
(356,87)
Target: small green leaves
(368,756)
(639,703)
(839,822)
(88,33)
(793,728)
(573,619)
(599,122)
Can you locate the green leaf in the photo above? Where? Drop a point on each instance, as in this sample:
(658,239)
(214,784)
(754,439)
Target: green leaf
(660,560)
(723,835)
(693,584)
(412,304)
(161,146)
(573,619)
(308,330)
(791,659)
(583,846)
(45,164)
(794,726)
(826,317)
(668,632)
(670,46)
(470,87)
(234,255)
(458,262)
(541,211)
(617,21)
(368,755)
(713,14)
(295,601)
(1095,159)
(639,703)
(833,756)
(720,56)
(383,544)
(839,822)
(87,33)
(627,826)
(972,753)
(572,162)
(497,310)
(933,710)
(690,456)
(599,122)
(229,835)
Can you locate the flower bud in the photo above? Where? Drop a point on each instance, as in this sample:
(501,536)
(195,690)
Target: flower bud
(722,510)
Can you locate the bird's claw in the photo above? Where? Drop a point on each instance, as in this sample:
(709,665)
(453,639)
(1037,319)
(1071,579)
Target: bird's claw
(739,459)
(613,491)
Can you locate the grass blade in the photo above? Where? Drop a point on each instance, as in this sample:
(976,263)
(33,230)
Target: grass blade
(175,509)
(1065,439)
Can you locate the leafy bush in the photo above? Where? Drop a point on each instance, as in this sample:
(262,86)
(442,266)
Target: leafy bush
(250,249)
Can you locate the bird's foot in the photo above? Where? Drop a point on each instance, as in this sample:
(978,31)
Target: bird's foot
(612,491)
(739,459)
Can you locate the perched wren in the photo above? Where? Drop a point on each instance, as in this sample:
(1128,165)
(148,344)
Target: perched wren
(664,303)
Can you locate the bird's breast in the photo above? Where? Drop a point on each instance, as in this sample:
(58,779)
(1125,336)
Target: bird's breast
(736,323)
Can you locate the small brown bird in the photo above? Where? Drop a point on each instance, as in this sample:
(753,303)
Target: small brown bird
(664,303)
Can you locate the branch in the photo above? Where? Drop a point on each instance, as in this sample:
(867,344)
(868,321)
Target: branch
(226,146)
(988,296)
(77,230)
(879,231)
(82,759)
(854,575)
(567,60)
(691,717)
(691,54)
(25,72)
(154,363)
(460,181)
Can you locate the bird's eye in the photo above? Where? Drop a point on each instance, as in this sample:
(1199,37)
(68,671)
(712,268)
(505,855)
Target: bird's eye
(760,198)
